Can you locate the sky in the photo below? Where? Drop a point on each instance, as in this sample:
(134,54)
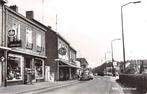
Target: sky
(91,25)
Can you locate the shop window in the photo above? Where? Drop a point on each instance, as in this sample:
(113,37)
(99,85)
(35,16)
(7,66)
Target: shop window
(39,68)
(14,68)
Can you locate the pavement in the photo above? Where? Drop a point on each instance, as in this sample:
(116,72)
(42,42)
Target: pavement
(26,88)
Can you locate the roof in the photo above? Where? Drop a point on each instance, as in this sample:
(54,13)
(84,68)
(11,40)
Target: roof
(73,49)
(34,22)
(67,63)
(61,37)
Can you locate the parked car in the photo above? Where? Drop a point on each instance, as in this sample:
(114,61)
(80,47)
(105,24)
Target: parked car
(91,76)
(84,76)
(109,74)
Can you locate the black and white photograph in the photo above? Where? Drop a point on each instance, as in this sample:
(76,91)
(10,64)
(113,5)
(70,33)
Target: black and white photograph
(73,47)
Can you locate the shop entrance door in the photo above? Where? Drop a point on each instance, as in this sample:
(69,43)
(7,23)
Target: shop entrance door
(28,68)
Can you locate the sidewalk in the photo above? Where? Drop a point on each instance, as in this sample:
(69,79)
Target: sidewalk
(25,88)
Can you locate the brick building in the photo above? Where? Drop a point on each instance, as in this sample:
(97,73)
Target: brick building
(23,39)
(60,56)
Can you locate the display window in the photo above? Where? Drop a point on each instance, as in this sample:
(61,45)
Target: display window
(39,68)
(14,67)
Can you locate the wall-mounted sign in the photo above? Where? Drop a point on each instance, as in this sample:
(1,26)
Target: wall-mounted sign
(11,33)
(15,43)
(2,59)
(62,51)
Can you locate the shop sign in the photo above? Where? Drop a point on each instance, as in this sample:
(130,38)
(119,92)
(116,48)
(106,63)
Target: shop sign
(62,51)
(2,59)
(11,33)
(16,43)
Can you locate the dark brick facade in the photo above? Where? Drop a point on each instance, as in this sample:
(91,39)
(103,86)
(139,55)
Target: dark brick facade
(51,51)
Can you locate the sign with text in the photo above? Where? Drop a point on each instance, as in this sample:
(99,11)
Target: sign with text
(62,51)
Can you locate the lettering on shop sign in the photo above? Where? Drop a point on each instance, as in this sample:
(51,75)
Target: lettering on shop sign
(62,51)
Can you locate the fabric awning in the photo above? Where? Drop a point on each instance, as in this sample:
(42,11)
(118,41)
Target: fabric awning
(67,63)
(29,53)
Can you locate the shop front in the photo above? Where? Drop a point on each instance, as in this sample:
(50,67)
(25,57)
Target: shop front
(15,67)
(24,69)
(67,71)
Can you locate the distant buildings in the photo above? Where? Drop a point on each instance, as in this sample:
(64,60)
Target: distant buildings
(83,62)
(133,66)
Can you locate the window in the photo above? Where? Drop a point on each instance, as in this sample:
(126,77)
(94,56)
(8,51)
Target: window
(16,28)
(14,67)
(38,42)
(14,39)
(29,43)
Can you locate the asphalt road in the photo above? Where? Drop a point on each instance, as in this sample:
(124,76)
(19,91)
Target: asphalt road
(99,85)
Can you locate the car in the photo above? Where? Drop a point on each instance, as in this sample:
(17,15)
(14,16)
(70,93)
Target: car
(91,76)
(109,74)
(84,77)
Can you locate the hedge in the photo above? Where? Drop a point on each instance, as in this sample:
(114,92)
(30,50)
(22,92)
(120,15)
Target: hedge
(137,81)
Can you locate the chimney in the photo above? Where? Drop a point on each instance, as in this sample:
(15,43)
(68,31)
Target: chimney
(14,8)
(30,14)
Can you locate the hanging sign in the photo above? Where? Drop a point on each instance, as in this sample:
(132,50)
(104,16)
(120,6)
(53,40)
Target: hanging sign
(11,33)
(62,51)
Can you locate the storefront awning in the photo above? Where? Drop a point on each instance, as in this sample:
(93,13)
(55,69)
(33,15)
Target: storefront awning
(5,48)
(29,53)
(67,63)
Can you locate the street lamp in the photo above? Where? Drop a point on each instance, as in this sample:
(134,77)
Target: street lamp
(112,48)
(123,29)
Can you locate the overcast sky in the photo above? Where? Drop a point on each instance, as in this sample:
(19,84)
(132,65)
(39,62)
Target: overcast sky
(90,25)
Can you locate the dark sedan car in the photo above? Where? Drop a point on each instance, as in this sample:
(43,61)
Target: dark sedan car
(86,76)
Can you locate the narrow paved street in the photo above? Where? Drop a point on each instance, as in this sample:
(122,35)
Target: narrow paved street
(100,85)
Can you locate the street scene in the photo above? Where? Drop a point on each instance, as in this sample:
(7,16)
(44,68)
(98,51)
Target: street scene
(73,47)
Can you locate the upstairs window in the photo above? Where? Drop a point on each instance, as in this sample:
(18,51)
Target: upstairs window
(38,42)
(29,43)
(16,27)
(14,36)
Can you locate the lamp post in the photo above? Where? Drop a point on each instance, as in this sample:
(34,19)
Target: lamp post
(124,60)
(112,48)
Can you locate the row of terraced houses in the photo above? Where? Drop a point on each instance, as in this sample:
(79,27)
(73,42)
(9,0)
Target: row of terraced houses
(28,47)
